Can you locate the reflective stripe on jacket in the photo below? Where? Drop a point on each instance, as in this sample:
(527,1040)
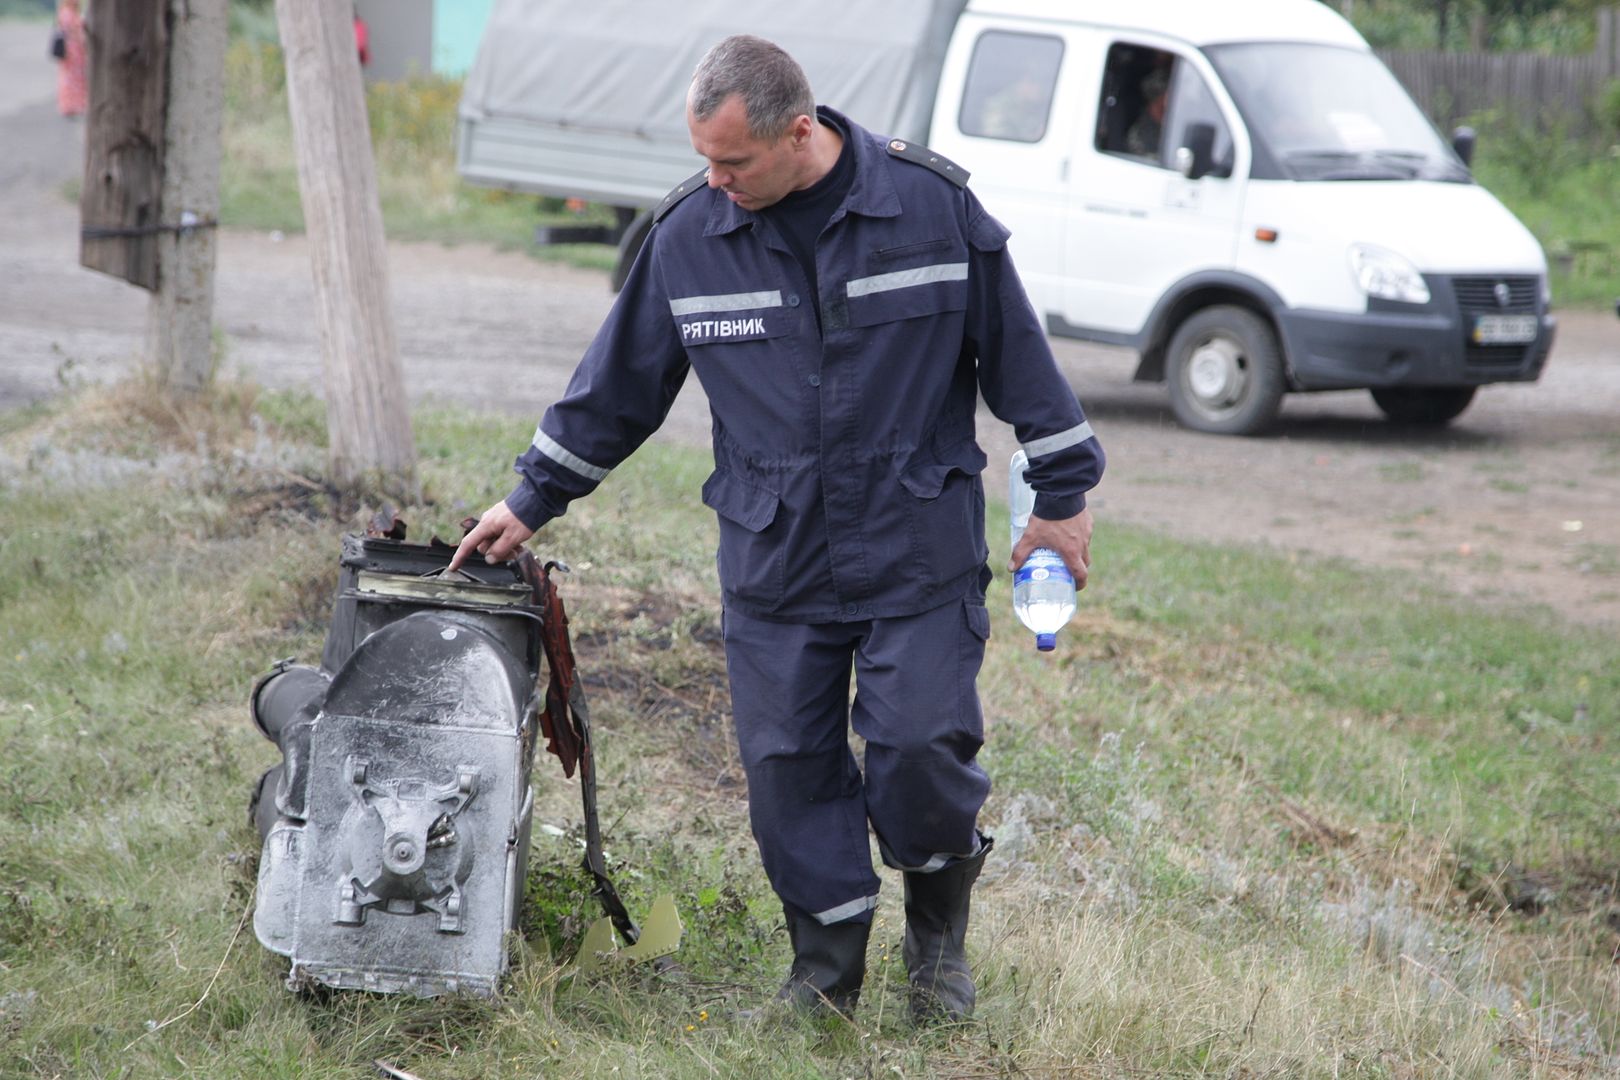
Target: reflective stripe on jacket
(846,470)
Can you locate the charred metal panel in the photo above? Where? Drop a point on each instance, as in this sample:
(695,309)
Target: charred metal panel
(396,830)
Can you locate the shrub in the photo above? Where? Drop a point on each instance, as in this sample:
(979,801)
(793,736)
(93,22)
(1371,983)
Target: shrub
(1608,110)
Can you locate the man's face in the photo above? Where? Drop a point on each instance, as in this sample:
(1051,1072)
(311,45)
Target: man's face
(752,172)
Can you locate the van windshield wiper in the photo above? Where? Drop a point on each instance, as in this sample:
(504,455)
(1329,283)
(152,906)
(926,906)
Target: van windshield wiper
(1354,164)
(1425,166)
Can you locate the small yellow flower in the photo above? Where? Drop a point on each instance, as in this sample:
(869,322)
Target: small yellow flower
(691,1027)
(704,1015)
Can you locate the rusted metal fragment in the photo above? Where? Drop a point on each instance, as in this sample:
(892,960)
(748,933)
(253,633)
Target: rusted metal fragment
(386,524)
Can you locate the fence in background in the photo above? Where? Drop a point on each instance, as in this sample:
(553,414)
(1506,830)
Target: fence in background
(1530,87)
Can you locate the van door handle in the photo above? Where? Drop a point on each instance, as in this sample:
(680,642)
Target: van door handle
(1063,171)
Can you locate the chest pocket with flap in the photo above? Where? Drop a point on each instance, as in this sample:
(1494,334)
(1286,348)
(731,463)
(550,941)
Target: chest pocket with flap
(938,285)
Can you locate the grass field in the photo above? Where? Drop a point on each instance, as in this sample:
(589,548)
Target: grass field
(1258,816)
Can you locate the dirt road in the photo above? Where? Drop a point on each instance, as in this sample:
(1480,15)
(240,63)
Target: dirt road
(1519,500)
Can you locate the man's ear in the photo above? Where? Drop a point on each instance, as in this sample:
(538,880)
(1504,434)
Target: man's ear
(801,130)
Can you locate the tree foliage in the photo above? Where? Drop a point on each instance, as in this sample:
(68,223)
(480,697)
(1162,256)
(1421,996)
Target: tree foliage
(1554,26)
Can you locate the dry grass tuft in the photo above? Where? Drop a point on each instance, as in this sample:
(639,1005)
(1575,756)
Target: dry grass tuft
(138,417)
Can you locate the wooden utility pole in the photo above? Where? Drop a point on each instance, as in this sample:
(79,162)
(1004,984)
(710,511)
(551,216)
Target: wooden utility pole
(368,424)
(150,201)
(121,206)
(180,315)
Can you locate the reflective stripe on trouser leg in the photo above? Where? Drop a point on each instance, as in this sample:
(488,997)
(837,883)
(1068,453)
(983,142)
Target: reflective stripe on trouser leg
(917,707)
(790,702)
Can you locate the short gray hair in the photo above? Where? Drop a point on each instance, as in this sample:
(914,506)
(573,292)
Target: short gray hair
(774,88)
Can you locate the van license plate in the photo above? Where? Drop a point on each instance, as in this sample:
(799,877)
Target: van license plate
(1504,329)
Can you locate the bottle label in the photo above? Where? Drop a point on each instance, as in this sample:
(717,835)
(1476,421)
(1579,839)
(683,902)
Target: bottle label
(1043,565)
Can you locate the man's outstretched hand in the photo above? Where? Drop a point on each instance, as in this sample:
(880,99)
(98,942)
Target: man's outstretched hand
(497,537)
(1070,538)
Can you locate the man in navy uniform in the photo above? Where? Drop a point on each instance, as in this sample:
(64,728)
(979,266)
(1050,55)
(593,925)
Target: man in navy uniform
(842,298)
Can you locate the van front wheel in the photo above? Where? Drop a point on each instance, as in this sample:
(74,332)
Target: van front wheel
(1423,406)
(1225,372)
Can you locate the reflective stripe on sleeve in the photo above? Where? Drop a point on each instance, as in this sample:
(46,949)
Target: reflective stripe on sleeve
(567,458)
(1061,441)
(845,911)
(742,301)
(904,279)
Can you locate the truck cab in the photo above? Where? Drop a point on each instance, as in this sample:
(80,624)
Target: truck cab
(1246,196)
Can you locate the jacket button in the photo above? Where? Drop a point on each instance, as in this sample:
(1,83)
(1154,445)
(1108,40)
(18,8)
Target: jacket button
(793,299)
(815,380)
(850,609)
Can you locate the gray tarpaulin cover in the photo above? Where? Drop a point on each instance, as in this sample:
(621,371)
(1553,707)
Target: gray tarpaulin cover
(558,80)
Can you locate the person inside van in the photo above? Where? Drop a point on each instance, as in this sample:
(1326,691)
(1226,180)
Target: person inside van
(1018,110)
(1142,140)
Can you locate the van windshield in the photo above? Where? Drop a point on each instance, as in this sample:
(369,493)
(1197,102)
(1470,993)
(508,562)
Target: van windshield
(1331,113)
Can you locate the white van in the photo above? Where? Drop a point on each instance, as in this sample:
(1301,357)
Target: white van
(1241,192)
(1295,224)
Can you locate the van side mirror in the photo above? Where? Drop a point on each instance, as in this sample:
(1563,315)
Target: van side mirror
(1195,157)
(1462,141)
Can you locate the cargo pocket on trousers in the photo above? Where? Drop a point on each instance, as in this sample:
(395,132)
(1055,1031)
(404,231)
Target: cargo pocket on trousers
(751,556)
(970,717)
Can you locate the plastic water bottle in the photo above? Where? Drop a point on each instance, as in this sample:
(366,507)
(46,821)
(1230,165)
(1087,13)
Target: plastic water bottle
(1043,588)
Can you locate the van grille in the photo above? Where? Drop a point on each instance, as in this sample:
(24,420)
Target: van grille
(1477,295)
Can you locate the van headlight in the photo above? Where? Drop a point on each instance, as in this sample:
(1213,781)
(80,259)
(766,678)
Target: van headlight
(1386,275)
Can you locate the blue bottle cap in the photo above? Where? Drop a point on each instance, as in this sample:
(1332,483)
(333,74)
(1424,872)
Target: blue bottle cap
(1046,642)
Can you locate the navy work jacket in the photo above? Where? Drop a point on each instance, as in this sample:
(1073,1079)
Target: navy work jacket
(846,472)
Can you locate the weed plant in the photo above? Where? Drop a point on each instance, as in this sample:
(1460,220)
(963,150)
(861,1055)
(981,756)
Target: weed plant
(1257,816)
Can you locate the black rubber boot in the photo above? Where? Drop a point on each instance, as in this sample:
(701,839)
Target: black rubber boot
(829,966)
(936,934)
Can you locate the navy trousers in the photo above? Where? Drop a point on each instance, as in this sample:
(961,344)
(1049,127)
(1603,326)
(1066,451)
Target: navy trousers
(916,707)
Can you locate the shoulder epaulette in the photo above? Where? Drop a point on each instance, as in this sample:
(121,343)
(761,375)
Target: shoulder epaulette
(695,182)
(918,154)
